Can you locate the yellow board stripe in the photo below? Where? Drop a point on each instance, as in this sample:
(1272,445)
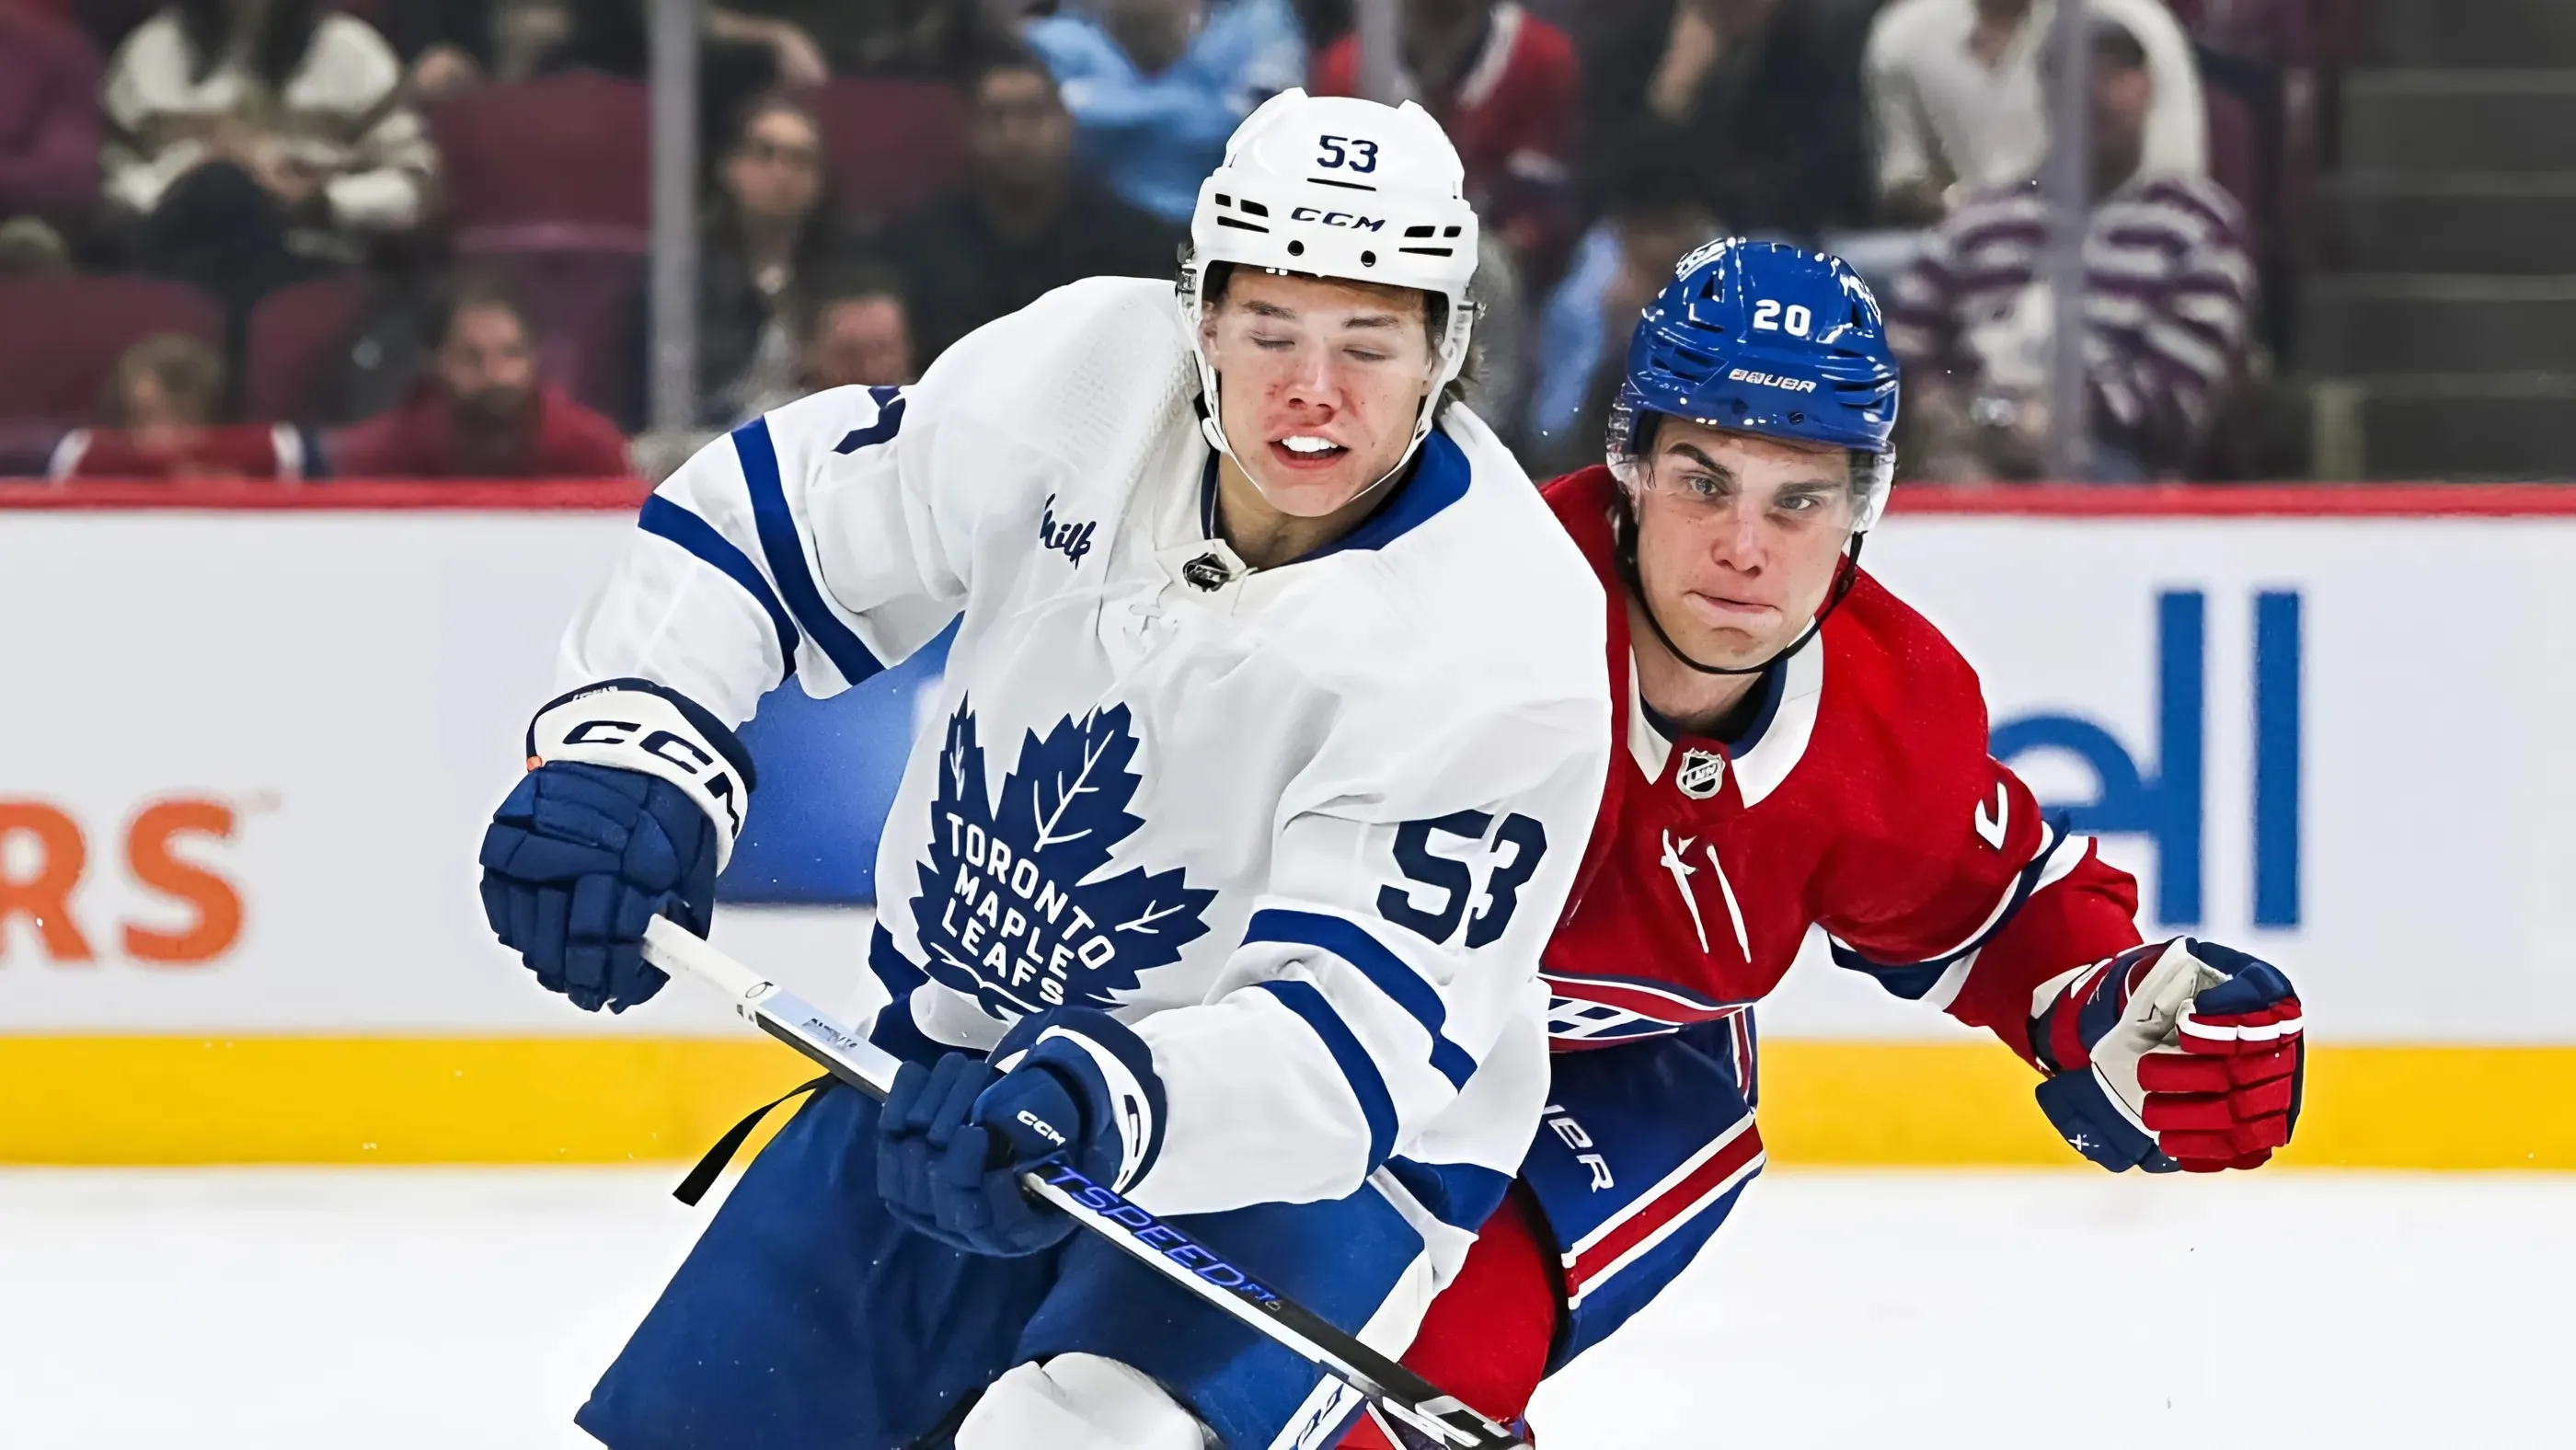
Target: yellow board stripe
(177,1100)
(100,1100)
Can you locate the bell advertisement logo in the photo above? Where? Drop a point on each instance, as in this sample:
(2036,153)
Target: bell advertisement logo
(46,855)
(2164,798)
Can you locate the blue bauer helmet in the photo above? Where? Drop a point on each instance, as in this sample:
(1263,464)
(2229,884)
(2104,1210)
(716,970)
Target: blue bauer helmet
(1764,338)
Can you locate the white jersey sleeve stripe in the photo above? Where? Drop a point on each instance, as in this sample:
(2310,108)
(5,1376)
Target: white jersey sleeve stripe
(1383,968)
(782,544)
(668,520)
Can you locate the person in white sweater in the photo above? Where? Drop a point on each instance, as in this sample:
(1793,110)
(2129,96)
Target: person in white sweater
(251,141)
(1955,97)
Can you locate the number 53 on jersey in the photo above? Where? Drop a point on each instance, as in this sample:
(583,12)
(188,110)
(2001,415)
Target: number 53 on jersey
(1442,887)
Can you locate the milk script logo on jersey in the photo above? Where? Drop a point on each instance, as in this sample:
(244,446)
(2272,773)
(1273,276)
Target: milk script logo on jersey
(1010,909)
(1070,539)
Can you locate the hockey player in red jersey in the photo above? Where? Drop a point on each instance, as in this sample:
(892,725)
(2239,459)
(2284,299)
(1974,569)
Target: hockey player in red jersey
(1797,748)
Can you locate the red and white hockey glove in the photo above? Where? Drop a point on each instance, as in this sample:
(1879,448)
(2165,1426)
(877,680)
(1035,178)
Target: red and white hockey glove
(2181,1054)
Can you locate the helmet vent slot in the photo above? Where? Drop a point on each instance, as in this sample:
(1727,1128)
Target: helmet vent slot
(1344,185)
(1420,231)
(1429,251)
(1227,221)
(1252,208)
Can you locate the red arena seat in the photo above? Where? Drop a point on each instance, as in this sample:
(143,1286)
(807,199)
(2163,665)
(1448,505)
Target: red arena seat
(66,333)
(295,332)
(894,144)
(558,164)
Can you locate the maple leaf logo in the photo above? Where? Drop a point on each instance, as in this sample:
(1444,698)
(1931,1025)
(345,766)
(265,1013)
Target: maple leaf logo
(1008,908)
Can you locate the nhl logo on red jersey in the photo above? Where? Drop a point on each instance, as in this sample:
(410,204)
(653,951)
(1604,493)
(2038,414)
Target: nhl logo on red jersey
(1700,774)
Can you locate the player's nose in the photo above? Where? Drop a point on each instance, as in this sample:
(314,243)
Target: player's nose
(1311,381)
(1736,541)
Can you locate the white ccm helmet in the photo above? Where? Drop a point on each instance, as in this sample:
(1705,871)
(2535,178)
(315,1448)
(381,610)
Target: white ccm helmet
(1334,186)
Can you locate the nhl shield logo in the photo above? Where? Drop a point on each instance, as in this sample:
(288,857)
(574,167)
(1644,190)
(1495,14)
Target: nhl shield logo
(1207,573)
(1700,775)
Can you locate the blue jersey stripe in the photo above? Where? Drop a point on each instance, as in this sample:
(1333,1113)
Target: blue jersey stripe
(1461,1195)
(1358,1070)
(665,519)
(785,551)
(1911,980)
(1349,941)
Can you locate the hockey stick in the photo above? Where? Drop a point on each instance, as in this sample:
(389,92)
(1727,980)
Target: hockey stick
(1207,1275)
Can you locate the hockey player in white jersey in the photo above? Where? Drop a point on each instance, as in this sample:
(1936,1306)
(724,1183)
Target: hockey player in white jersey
(1269,741)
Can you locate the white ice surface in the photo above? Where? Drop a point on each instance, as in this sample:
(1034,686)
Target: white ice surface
(402,1308)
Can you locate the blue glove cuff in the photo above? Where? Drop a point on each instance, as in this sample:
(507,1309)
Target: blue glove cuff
(2092,1125)
(1111,1072)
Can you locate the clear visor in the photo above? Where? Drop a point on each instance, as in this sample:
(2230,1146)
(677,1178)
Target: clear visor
(1853,499)
(1820,498)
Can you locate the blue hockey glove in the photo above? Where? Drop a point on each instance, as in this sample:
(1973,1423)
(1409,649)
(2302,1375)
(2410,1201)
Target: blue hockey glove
(2177,1055)
(630,807)
(954,1137)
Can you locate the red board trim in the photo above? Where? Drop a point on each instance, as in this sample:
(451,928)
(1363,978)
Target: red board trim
(621,495)
(2173,500)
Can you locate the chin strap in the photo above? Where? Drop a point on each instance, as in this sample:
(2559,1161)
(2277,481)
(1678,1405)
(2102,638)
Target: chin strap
(1623,527)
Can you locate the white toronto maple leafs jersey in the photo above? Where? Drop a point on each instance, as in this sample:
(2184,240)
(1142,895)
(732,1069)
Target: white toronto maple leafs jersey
(1305,829)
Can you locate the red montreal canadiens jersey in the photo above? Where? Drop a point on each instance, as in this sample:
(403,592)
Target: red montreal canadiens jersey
(1861,800)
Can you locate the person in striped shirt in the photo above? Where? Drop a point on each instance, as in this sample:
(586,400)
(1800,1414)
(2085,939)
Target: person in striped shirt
(2168,291)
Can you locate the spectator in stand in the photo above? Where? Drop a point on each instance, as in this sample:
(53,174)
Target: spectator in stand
(256,145)
(159,422)
(1028,221)
(2168,287)
(481,412)
(1655,215)
(48,117)
(861,333)
(1156,86)
(1758,100)
(856,333)
(1503,84)
(1954,97)
(770,231)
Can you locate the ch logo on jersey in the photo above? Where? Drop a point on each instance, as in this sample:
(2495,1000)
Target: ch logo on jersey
(1700,774)
(1013,905)
(1598,1011)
